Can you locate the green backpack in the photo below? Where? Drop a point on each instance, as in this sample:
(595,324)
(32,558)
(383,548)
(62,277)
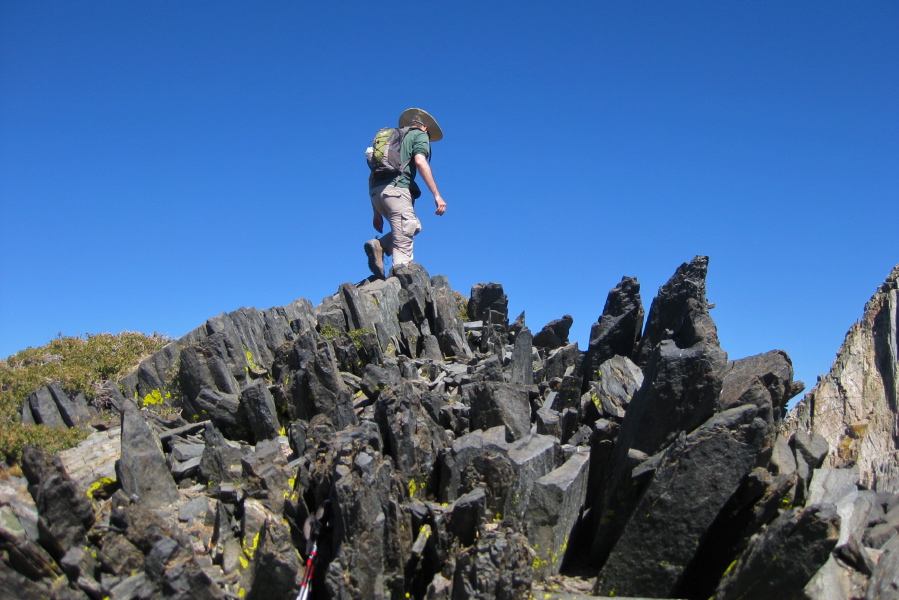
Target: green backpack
(384,154)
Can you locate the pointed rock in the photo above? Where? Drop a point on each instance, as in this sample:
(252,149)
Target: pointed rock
(65,512)
(669,312)
(142,469)
(617,332)
(259,406)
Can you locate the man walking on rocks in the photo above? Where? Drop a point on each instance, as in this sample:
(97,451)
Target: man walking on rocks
(393,197)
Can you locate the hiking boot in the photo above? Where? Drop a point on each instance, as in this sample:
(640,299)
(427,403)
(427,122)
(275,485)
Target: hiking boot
(375,257)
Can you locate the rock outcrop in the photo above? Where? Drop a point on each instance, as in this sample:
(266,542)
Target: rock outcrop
(451,459)
(855,407)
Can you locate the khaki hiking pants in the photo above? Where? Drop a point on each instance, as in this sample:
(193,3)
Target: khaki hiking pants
(395,205)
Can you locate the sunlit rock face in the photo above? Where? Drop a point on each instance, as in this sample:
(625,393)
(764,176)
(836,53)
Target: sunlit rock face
(854,407)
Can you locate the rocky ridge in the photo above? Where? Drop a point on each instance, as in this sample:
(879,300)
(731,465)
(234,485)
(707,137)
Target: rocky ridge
(456,459)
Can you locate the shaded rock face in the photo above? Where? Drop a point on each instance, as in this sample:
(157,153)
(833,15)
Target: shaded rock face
(855,407)
(427,457)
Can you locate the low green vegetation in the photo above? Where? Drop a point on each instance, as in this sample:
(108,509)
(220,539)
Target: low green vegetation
(462,306)
(82,364)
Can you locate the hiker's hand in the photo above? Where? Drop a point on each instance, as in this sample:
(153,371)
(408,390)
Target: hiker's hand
(441,205)
(378,222)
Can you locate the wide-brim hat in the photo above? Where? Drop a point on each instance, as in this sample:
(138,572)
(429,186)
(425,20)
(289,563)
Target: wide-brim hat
(410,115)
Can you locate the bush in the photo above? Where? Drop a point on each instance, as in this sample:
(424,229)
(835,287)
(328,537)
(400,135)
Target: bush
(81,364)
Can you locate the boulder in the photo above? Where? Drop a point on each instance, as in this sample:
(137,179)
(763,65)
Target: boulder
(554,334)
(73,410)
(65,512)
(884,581)
(522,369)
(668,313)
(307,370)
(275,564)
(487,298)
(498,566)
(444,319)
(259,406)
(44,410)
(616,381)
(142,469)
(617,332)
(801,541)
(554,505)
(412,437)
(690,484)
(500,404)
(203,367)
(220,461)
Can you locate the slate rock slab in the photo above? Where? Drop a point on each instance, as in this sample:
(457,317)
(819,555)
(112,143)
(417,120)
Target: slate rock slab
(493,404)
(65,513)
(142,469)
(618,330)
(692,482)
(781,561)
(554,505)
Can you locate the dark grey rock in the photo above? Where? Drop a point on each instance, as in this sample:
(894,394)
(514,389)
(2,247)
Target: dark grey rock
(782,459)
(554,334)
(411,436)
(204,367)
(27,556)
(497,567)
(493,404)
(275,564)
(222,409)
(466,515)
(142,468)
(416,282)
(478,459)
(378,378)
(554,506)
(487,297)
(308,372)
(522,371)
(44,409)
(800,539)
(259,406)
(65,513)
(119,556)
(221,460)
(567,360)
(812,447)
(691,483)
(135,587)
(765,380)
(549,423)
(617,332)
(197,508)
(73,410)
(177,572)
(446,324)
(365,532)
(669,313)
(152,375)
(530,457)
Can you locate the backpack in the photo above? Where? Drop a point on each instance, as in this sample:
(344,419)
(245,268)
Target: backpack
(384,154)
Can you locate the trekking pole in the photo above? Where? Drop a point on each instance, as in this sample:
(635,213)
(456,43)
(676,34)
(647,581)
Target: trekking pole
(311,530)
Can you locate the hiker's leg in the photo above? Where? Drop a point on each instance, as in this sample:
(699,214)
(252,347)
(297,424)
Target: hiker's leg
(404,225)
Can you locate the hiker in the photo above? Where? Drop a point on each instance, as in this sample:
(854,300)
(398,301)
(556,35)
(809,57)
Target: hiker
(393,190)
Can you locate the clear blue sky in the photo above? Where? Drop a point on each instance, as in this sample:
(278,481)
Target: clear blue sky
(162,162)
